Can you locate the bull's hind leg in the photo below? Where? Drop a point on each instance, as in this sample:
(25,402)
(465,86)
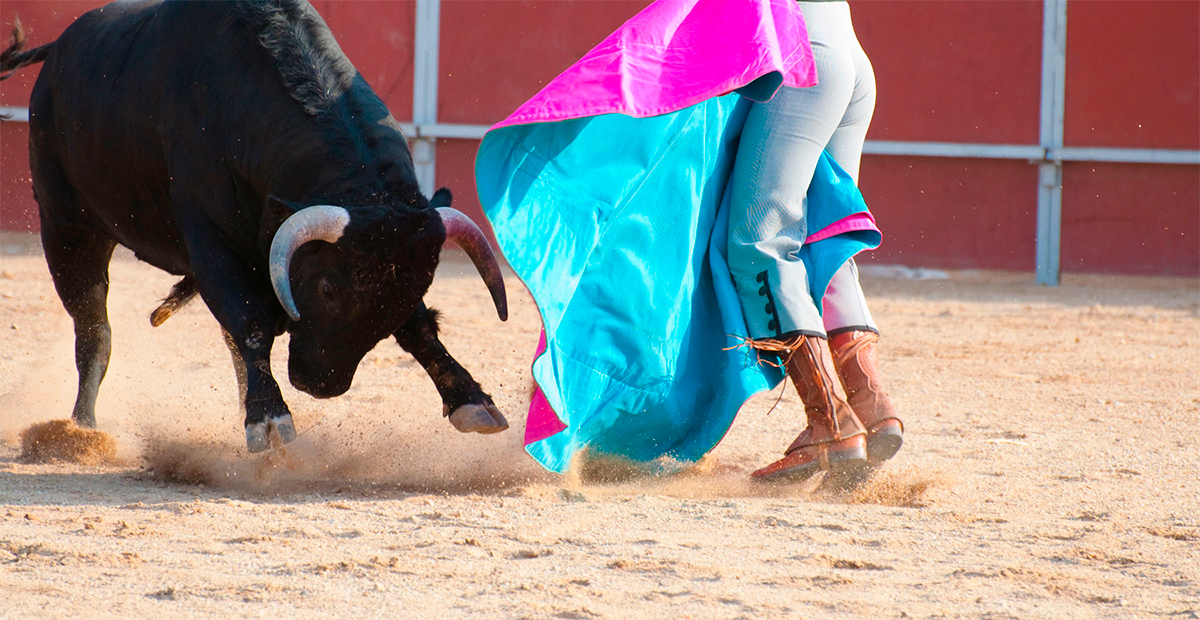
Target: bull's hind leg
(78,261)
(77,257)
(463,401)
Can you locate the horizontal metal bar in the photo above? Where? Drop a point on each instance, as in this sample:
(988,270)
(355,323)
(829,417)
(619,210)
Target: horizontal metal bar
(1127,156)
(918,149)
(445,130)
(953,149)
(872,147)
(1034,154)
(450,130)
(19,115)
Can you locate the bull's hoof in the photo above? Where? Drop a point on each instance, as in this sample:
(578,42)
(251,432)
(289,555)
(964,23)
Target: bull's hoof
(474,418)
(258,435)
(284,426)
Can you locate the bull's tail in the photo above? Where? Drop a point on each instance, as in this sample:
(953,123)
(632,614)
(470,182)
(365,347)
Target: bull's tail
(183,292)
(12,58)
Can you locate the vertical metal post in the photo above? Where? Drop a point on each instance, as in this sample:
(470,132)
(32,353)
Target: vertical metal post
(1054,70)
(425,90)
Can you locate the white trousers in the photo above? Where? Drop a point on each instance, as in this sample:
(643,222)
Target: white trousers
(777,156)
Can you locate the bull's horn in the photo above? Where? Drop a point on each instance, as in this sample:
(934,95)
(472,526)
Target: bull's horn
(320,222)
(465,234)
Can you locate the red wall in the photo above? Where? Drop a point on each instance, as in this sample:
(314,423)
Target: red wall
(1130,218)
(1133,81)
(954,71)
(495,54)
(1133,74)
(378,38)
(456,170)
(18,211)
(952,213)
(965,71)
(43,21)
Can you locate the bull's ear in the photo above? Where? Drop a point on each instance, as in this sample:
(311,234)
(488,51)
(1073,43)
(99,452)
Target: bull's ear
(276,211)
(274,214)
(441,198)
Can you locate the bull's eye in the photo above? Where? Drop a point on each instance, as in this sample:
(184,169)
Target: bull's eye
(327,291)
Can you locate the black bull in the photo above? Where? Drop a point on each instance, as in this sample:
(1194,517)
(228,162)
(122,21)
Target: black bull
(233,144)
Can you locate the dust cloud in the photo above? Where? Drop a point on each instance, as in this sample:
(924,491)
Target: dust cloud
(64,441)
(381,457)
(710,478)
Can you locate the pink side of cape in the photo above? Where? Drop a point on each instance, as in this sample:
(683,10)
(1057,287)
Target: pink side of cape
(542,422)
(649,66)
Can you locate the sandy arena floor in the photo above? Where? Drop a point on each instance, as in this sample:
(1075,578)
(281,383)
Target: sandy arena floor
(1051,471)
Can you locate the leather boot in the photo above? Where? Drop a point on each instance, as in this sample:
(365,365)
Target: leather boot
(854,357)
(835,439)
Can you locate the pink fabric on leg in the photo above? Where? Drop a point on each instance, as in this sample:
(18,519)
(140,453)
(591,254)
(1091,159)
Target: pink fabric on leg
(858,221)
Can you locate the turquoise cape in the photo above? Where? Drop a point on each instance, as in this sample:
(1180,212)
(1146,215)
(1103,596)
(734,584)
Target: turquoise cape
(618,226)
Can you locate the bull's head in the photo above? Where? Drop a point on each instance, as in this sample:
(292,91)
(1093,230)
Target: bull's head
(366,278)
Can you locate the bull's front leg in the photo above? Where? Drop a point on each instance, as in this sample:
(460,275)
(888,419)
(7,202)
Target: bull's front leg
(263,407)
(249,325)
(262,402)
(470,410)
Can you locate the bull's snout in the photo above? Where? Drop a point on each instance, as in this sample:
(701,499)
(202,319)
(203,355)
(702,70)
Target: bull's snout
(318,383)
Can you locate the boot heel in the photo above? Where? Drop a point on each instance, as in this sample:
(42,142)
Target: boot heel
(846,476)
(884,441)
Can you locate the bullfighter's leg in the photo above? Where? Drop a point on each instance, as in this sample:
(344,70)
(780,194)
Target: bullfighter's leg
(470,410)
(78,261)
(247,320)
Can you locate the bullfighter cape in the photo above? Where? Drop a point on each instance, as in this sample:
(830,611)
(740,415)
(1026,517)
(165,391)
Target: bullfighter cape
(608,193)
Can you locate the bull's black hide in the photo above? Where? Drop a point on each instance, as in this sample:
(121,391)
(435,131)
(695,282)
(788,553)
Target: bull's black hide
(199,135)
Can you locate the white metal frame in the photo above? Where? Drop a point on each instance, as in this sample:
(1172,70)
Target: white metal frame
(425,91)
(1054,71)
(19,115)
(1049,154)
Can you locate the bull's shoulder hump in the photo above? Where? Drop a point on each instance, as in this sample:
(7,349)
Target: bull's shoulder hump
(308,58)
